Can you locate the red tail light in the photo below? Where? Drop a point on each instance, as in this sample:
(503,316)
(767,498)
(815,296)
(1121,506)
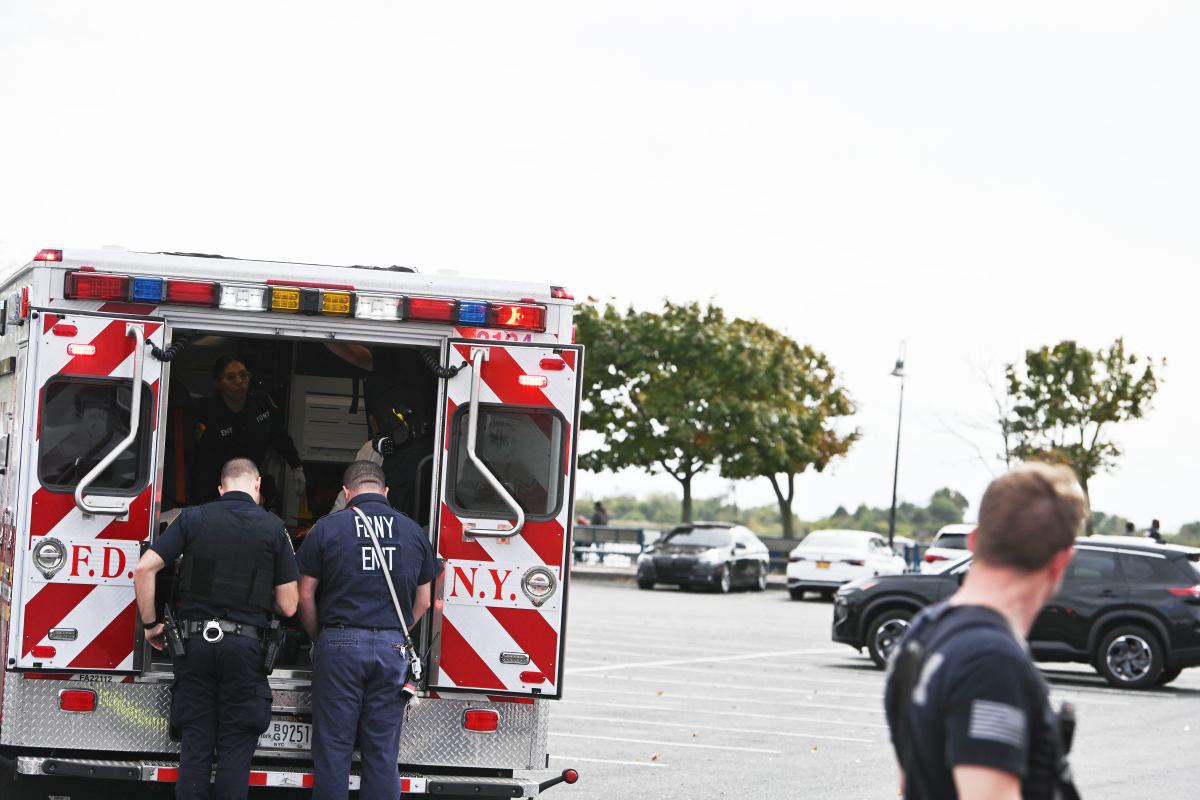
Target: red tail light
(77,700)
(930,558)
(481,720)
(854,562)
(48,255)
(1185,591)
(96,286)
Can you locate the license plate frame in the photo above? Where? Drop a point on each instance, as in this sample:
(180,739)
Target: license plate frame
(286,734)
(823,564)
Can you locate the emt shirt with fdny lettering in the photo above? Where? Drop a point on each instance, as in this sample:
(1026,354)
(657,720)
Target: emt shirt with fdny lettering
(351,590)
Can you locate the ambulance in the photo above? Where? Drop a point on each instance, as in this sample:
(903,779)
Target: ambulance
(104,358)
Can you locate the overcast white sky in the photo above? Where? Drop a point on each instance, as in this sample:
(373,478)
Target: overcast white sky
(975,178)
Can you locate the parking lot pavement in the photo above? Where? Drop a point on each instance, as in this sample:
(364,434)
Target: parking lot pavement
(672,694)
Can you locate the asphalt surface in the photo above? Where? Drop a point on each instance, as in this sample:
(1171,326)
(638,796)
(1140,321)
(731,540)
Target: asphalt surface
(672,694)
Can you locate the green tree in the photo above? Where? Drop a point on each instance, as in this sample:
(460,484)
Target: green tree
(657,388)
(785,424)
(1066,398)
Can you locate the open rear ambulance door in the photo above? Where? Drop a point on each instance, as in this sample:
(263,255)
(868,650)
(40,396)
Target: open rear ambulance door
(503,528)
(90,479)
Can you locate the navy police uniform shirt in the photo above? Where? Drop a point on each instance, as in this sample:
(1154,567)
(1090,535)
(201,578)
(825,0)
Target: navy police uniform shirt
(183,532)
(352,591)
(979,701)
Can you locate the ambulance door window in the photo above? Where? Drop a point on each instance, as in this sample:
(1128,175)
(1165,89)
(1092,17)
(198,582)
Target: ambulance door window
(523,447)
(82,420)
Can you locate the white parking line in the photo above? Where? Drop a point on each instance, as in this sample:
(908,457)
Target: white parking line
(693,727)
(759,673)
(733,683)
(714,713)
(774,702)
(666,744)
(655,764)
(704,660)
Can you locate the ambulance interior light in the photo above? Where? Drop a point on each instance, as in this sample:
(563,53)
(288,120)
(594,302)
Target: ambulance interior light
(95,286)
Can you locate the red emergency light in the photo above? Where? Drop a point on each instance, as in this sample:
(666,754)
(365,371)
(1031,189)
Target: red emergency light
(77,700)
(96,286)
(192,293)
(522,317)
(48,255)
(560,293)
(429,309)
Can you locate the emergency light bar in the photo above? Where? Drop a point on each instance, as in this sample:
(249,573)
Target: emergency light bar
(302,298)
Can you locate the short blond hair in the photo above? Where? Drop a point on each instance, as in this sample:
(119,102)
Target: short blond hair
(1028,515)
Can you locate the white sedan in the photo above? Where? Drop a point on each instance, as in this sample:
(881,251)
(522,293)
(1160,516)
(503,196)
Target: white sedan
(827,559)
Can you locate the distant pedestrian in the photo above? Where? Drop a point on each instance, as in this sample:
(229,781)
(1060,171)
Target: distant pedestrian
(1154,533)
(599,514)
(969,714)
(1130,530)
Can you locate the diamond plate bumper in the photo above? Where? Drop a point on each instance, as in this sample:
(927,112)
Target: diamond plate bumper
(132,718)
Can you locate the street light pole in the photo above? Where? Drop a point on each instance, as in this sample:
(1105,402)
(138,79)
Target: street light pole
(898,372)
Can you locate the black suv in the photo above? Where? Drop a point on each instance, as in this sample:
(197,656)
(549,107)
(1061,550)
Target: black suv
(1128,607)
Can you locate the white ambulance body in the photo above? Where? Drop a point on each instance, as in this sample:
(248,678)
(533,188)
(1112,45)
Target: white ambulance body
(81,695)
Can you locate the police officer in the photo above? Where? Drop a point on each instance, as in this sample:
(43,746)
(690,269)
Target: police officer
(236,422)
(237,565)
(969,714)
(359,651)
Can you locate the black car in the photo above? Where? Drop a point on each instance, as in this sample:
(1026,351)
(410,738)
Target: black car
(713,554)
(1128,607)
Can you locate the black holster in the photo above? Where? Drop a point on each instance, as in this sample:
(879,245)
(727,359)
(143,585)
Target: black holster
(272,644)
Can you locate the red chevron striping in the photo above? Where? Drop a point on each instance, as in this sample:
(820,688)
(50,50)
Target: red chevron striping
(464,666)
(113,644)
(451,407)
(136,526)
(533,635)
(133,309)
(501,373)
(112,348)
(451,544)
(569,357)
(48,509)
(47,608)
(48,321)
(546,539)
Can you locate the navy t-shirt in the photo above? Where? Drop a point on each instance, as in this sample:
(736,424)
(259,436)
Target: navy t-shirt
(979,701)
(338,553)
(178,537)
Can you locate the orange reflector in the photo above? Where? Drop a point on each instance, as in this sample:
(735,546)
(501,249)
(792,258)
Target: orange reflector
(336,303)
(43,651)
(532,677)
(481,720)
(539,381)
(285,299)
(81,349)
(77,700)
(65,329)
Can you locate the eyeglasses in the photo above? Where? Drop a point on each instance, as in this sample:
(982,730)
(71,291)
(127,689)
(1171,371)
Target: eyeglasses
(234,377)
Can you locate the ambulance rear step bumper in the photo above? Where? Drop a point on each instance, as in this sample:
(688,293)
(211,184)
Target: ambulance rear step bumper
(284,777)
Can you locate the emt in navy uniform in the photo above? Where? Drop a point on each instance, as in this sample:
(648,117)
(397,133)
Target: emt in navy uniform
(360,657)
(969,713)
(238,565)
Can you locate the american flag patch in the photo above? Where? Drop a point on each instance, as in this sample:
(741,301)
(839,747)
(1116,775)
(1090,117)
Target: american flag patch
(997,722)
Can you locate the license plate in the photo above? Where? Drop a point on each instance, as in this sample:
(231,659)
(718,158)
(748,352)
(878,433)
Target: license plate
(286,735)
(822,565)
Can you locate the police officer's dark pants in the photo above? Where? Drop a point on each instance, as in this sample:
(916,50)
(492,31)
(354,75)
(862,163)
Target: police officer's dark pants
(358,677)
(222,702)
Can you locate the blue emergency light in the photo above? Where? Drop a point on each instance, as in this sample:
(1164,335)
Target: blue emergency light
(146,290)
(472,313)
